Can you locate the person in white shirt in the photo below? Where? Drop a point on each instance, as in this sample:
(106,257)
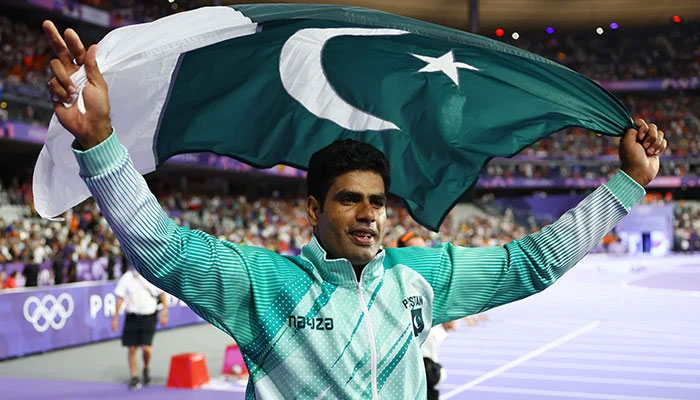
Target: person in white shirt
(141,299)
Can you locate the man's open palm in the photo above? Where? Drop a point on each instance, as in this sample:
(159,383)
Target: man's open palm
(94,126)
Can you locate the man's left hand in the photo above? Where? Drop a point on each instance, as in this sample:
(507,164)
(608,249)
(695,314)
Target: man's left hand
(640,150)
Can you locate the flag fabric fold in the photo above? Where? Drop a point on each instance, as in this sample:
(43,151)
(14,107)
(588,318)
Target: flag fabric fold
(272,84)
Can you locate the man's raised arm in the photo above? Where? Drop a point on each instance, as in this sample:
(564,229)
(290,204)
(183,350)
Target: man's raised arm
(208,274)
(471,280)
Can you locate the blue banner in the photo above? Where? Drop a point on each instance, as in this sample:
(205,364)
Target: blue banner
(83,12)
(652,85)
(42,319)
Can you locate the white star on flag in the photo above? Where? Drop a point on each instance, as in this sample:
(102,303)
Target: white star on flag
(445,63)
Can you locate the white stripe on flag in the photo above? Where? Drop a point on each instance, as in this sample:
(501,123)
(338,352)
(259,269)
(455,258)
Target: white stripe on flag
(137,62)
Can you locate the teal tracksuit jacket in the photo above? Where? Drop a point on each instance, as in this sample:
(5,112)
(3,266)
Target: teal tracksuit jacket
(307,328)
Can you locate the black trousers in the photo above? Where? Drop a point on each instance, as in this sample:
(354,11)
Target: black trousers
(432,375)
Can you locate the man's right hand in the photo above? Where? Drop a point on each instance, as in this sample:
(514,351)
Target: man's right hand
(115,323)
(94,126)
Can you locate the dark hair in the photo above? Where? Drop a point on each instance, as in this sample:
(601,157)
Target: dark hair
(340,157)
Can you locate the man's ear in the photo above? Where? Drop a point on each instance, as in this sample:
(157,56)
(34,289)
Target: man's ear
(313,211)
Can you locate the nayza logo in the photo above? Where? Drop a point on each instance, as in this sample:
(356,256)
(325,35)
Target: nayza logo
(319,324)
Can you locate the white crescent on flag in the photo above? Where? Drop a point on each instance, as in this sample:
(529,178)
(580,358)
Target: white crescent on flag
(416,322)
(267,99)
(300,68)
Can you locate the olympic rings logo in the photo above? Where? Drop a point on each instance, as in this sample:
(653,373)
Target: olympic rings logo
(43,313)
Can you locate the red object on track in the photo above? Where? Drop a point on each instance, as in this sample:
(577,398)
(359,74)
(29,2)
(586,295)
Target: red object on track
(234,363)
(188,371)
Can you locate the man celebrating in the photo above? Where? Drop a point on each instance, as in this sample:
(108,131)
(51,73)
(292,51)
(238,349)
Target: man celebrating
(346,318)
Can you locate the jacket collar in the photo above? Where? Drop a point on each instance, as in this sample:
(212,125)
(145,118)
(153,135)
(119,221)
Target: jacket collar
(339,271)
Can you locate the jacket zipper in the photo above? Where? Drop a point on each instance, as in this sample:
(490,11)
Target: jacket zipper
(372,340)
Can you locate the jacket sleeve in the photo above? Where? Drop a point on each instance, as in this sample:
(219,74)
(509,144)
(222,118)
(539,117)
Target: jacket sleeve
(210,275)
(471,280)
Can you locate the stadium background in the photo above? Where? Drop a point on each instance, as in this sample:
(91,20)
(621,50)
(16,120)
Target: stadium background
(631,307)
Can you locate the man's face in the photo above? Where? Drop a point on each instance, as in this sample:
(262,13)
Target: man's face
(351,225)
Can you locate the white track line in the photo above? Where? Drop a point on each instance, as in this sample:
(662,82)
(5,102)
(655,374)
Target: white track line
(639,342)
(584,355)
(614,326)
(563,321)
(481,344)
(521,360)
(588,367)
(576,395)
(620,357)
(652,325)
(603,335)
(612,381)
(488,349)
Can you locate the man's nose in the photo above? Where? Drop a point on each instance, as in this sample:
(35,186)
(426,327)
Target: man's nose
(366,212)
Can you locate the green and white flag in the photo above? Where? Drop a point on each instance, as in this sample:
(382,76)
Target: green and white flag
(272,84)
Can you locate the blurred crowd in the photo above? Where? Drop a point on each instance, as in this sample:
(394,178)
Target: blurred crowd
(678,115)
(669,52)
(686,226)
(140,10)
(689,168)
(626,53)
(280,224)
(275,223)
(29,240)
(24,54)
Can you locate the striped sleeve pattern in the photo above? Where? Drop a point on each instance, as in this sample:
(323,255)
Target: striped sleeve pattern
(209,275)
(471,280)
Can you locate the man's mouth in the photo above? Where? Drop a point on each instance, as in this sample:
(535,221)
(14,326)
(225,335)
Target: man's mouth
(363,237)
